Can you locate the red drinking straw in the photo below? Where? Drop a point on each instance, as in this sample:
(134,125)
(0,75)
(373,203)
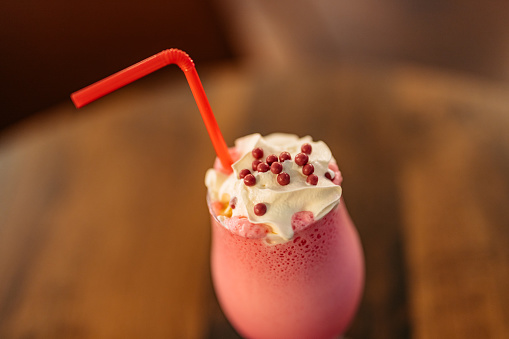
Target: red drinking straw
(147,66)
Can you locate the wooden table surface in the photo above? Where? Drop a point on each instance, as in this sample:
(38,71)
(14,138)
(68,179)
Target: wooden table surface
(104,230)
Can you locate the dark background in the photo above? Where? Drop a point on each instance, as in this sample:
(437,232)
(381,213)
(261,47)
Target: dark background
(51,48)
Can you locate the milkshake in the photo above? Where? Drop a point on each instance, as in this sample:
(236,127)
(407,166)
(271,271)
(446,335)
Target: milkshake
(286,258)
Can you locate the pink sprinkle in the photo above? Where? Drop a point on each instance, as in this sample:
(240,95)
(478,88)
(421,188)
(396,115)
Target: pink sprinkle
(262,167)
(260,209)
(285,156)
(312,179)
(301,159)
(243,173)
(276,167)
(254,165)
(306,148)
(257,153)
(283,178)
(249,180)
(308,169)
(233,202)
(271,159)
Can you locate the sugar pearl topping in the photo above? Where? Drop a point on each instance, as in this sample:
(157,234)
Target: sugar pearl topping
(260,209)
(262,167)
(250,180)
(308,169)
(283,178)
(293,181)
(328,175)
(285,156)
(276,167)
(306,148)
(271,159)
(312,179)
(233,202)
(243,173)
(301,159)
(257,153)
(254,164)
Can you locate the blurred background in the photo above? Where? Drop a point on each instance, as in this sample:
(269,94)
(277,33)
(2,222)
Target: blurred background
(412,96)
(54,47)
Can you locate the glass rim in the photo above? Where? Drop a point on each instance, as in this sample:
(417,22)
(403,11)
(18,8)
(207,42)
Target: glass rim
(211,211)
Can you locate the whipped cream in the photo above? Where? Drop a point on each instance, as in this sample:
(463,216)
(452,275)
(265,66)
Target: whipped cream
(281,201)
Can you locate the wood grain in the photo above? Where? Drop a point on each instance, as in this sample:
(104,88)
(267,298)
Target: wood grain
(95,240)
(455,186)
(104,229)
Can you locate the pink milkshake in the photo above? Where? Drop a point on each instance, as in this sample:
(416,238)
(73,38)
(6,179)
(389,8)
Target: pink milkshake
(294,267)
(286,258)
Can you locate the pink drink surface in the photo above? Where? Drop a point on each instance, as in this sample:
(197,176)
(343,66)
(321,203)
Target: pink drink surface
(308,287)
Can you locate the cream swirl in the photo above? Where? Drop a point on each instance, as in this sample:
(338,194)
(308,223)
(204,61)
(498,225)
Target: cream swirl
(282,202)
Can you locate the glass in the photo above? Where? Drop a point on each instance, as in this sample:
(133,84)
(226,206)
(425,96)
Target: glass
(308,287)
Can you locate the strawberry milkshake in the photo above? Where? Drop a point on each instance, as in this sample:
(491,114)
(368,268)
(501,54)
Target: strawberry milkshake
(286,258)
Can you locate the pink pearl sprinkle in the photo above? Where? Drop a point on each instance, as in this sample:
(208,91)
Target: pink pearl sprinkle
(254,165)
(312,179)
(301,159)
(233,202)
(271,159)
(283,178)
(243,173)
(306,148)
(257,153)
(308,169)
(276,167)
(262,167)
(285,156)
(260,209)
(249,180)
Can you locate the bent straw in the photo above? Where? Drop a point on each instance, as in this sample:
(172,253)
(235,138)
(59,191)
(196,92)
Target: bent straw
(170,56)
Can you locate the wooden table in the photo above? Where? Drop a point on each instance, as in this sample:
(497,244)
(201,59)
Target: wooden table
(104,230)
